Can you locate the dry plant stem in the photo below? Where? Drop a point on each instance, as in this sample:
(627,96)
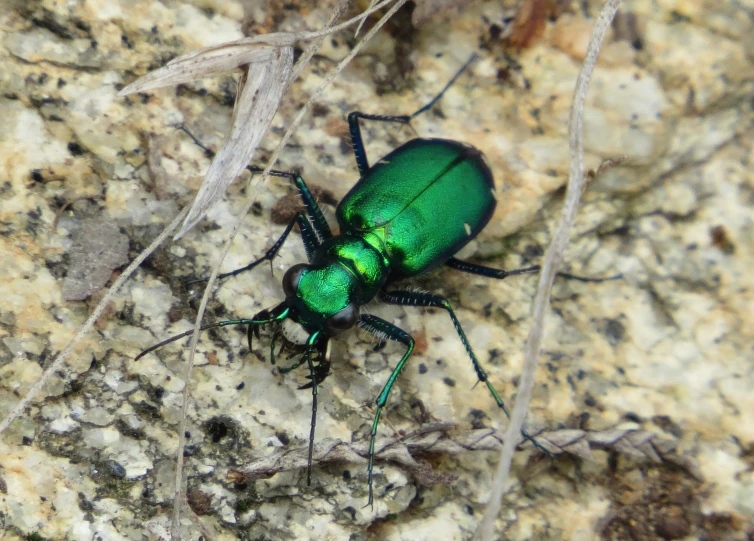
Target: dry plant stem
(553,258)
(314,46)
(443,438)
(253,190)
(361,24)
(60,359)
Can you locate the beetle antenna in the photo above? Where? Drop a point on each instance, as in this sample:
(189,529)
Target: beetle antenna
(278,313)
(190,332)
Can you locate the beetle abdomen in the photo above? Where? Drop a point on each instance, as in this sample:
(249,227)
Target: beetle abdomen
(426,199)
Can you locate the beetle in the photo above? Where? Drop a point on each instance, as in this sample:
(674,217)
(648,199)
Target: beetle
(409,213)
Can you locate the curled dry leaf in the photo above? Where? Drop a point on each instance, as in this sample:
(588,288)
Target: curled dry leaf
(267,63)
(209,61)
(260,90)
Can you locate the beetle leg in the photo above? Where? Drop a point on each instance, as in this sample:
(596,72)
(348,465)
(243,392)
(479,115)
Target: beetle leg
(442,92)
(413,298)
(489,272)
(308,235)
(383,330)
(357,141)
(268,256)
(500,274)
(355,129)
(317,219)
(211,154)
(312,209)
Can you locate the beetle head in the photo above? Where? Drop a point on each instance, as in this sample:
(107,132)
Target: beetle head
(320,299)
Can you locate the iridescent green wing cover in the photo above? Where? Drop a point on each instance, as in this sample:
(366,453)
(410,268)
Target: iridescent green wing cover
(425,200)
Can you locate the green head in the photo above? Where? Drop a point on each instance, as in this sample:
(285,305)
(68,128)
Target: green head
(322,299)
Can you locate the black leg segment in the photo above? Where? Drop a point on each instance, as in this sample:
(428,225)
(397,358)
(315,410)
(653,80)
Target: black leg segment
(357,141)
(308,237)
(355,129)
(489,272)
(500,274)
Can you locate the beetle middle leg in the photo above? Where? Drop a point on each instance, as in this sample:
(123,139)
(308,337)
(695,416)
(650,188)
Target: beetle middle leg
(428,300)
(500,274)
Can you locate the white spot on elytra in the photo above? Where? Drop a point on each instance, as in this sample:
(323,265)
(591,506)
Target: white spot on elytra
(486,161)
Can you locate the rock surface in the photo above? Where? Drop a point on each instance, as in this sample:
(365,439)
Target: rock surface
(668,349)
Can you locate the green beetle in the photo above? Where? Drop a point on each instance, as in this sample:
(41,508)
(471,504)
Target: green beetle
(410,212)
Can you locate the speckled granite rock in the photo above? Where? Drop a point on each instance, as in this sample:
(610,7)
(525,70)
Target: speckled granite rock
(668,348)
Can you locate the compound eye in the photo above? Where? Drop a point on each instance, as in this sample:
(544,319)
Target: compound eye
(345,319)
(291,279)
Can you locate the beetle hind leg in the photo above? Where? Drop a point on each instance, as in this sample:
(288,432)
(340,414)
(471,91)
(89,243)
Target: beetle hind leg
(413,298)
(383,330)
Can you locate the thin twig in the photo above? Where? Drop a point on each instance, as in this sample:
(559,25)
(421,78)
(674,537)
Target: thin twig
(443,439)
(315,45)
(552,260)
(60,359)
(253,189)
(179,495)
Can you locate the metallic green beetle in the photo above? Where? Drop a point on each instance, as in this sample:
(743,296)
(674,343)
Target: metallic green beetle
(410,212)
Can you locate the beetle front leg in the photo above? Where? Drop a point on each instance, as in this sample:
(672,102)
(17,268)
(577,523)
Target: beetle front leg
(413,298)
(310,244)
(312,208)
(382,329)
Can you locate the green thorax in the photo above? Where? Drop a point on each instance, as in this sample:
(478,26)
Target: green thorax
(366,263)
(424,201)
(346,269)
